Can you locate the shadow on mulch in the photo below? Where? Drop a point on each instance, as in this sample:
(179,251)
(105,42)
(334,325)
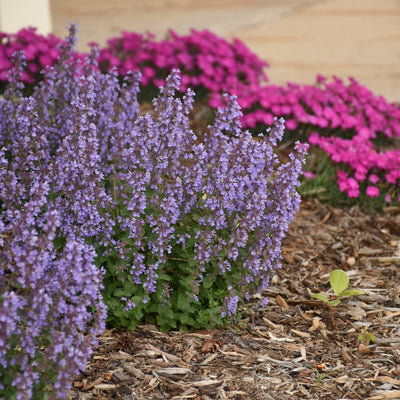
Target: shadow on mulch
(293,348)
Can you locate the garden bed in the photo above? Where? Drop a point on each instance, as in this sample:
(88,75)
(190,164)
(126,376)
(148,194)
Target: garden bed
(184,212)
(290,349)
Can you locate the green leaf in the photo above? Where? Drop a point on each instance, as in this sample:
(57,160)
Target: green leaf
(334,303)
(187,320)
(243,252)
(339,280)
(164,276)
(122,293)
(208,282)
(132,324)
(322,297)
(351,292)
(138,314)
(182,302)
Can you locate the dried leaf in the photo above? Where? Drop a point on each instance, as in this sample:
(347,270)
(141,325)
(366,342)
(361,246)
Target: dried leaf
(345,355)
(211,346)
(363,349)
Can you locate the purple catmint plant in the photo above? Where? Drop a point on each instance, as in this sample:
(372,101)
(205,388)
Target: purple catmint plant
(51,308)
(202,216)
(51,205)
(185,225)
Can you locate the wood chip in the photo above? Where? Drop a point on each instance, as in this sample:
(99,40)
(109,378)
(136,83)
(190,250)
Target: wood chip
(105,386)
(385,379)
(281,302)
(351,261)
(304,335)
(345,355)
(366,251)
(363,349)
(206,382)
(388,394)
(173,371)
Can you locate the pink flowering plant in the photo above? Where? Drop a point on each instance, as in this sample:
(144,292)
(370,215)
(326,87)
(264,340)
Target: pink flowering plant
(40,52)
(356,129)
(208,63)
(104,205)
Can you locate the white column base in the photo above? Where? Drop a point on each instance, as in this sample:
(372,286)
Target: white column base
(18,14)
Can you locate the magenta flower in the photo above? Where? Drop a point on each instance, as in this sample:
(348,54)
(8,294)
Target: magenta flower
(308,175)
(373,179)
(372,191)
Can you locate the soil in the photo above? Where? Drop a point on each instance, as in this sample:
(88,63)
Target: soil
(296,347)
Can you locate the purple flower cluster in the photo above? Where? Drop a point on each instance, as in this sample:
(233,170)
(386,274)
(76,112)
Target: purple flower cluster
(185,224)
(219,200)
(51,203)
(248,192)
(50,303)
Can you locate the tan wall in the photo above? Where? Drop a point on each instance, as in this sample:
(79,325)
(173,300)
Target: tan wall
(299,38)
(17,14)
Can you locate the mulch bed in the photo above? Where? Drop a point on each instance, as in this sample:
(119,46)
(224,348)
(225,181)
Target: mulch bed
(294,348)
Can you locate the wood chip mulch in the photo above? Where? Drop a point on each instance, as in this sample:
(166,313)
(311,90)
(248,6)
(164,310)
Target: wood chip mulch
(293,348)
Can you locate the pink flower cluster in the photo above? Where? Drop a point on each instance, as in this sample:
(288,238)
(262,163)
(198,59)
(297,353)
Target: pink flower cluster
(343,120)
(40,52)
(332,106)
(375,168)
(204,59)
